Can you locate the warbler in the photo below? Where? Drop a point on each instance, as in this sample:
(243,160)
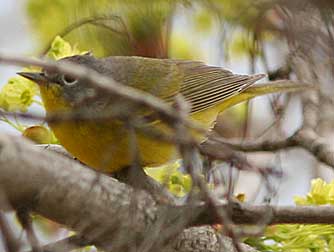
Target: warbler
(105,144)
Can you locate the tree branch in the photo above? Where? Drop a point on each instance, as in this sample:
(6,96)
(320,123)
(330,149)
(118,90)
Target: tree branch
(303,138)
(97,207)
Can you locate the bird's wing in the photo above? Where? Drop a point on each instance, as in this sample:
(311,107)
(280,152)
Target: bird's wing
(205,86)
(201,85)
(158,77)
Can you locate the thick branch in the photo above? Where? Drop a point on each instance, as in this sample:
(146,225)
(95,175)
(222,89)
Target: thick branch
(64,191)
(24,181)
(105,212)
(100,208)
(249,214)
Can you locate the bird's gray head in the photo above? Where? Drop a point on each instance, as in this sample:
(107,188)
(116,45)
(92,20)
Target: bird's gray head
(73,90)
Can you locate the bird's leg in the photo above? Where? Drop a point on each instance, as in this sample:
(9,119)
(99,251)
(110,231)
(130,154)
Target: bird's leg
(137,178)
(23,216)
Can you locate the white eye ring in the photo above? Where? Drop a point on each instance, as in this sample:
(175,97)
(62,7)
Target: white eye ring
(68,80)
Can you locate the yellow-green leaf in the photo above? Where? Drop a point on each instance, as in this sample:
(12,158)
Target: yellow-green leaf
(18,94)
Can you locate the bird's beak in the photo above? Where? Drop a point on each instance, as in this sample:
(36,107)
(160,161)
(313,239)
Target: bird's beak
(39,78)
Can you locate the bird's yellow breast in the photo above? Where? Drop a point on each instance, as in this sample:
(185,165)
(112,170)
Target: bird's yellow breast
(103,145)
(107,147)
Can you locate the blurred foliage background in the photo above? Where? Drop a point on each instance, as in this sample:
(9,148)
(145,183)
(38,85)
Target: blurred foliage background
(242,28)
(235,29)
(286,39)
(145,28)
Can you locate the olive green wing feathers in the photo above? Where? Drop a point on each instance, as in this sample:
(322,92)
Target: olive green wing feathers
(201,85)
(158,77)
(205,86)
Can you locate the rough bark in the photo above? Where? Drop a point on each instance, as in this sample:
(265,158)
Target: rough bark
(107,213)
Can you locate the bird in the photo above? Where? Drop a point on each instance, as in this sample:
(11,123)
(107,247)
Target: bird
(106,144)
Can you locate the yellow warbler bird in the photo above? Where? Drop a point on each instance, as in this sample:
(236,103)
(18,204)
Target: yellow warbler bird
(105,144)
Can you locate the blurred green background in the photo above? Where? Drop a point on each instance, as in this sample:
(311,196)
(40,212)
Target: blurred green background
(245,36)
(237,34)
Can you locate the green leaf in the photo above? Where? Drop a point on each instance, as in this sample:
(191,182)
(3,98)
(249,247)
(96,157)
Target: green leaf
(61,49)
(177,182)
(17,94)
(301,238)
(38,134)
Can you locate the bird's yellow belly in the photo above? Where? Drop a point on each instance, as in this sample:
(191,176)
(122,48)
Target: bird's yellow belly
(108,148)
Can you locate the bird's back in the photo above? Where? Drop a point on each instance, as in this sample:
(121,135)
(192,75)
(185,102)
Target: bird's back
(201,85)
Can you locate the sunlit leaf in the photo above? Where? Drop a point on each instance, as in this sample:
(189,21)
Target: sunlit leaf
(38,134)
(301,238)
(17,94)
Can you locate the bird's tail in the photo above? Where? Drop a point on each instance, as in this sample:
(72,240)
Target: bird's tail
(282,86)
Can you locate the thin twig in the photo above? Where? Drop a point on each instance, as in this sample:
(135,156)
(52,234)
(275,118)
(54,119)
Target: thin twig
(24,218)
(306,139)
(10,242)
(94,21)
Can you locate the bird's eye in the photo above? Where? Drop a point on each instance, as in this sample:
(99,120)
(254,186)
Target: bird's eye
(68,80)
